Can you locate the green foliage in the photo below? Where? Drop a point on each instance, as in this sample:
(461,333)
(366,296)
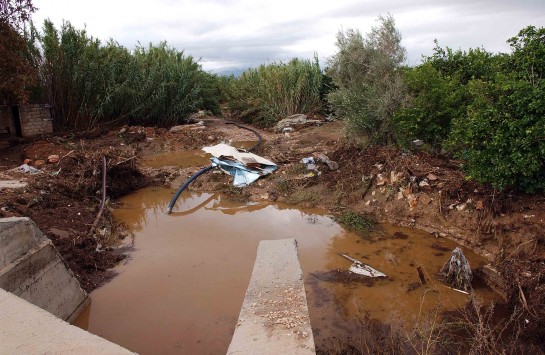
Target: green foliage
(16,72)
(89,83)
(486,109)
(367,72)
(271,92)
(326,88)
(528,54)
(464,66)
(502,138)
(434,101)
(356,222)
(438,93)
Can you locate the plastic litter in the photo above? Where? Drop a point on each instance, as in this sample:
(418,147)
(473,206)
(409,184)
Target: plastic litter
(27,169)
(360,268)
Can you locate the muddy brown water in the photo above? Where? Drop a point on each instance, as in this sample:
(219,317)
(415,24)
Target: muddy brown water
(182,288)
(187,158)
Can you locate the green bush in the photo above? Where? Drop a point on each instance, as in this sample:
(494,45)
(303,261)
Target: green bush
(438,93)
(434,101)
(88,83)
(502,138)
(271,92)
(488,110)
(367,72)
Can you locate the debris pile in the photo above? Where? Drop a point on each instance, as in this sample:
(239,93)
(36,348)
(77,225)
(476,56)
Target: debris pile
(457,271)
(245,168)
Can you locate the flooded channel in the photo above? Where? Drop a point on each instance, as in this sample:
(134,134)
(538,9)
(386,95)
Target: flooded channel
(182,287)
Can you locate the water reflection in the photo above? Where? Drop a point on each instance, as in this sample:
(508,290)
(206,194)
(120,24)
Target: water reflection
(182,289)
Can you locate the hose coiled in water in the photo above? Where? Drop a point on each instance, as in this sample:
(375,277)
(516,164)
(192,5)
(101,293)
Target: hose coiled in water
(210,167)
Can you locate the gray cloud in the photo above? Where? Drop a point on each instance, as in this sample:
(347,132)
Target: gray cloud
(242,33)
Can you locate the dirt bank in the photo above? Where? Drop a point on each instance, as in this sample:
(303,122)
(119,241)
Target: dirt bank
(404,188)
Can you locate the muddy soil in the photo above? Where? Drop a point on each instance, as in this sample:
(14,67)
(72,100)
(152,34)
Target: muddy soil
(404,188)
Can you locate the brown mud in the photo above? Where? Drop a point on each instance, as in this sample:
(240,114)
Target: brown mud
(414,189)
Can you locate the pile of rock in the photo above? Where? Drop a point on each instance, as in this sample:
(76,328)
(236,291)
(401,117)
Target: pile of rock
(289,123)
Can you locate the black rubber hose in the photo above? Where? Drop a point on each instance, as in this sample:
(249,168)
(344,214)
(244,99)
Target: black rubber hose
(196,208)
(259,138)
(185,185)
(208,168)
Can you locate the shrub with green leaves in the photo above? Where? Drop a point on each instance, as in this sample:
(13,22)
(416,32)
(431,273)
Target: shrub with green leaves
(434,101)
(502,138)
(89,83)
(271,92)
(367,72)
(438,93)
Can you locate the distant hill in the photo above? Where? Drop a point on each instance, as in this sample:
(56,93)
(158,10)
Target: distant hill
(228,72)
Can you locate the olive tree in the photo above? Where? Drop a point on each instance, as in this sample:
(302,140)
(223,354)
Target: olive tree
(367,72)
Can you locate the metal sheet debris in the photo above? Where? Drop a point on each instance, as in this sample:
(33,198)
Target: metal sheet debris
(244,167)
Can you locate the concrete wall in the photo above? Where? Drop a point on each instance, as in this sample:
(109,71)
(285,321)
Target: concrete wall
(31,268)
(274,316)
(27,329)
(35,119)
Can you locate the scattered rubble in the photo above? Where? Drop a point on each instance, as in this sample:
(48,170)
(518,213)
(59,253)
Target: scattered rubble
(27,169)
(322,158)
(52,159)
(297,120)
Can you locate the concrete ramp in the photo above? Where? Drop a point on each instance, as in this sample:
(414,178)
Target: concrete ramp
(27,329)
(31,268)
(274,316)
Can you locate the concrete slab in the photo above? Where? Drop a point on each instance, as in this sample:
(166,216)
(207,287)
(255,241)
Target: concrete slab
(18,235)
(274,316)
(31,268)
(27,329)
(12,184)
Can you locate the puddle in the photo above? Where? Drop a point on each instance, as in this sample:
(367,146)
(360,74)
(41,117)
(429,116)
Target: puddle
(244,144)
(187,158)
(179,158)
(183,286)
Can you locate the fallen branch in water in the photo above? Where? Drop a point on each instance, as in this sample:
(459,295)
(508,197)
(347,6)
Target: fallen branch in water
(455,289)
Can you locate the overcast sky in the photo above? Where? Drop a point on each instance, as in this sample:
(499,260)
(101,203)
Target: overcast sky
(228,34)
